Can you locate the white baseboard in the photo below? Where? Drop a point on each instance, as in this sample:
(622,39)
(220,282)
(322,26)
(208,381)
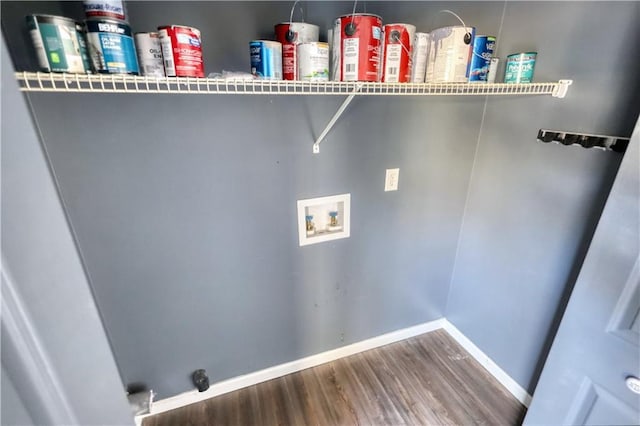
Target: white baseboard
(274,372)
(500,375)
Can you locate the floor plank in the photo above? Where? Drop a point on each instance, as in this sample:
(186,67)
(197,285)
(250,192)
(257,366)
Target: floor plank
(426,380)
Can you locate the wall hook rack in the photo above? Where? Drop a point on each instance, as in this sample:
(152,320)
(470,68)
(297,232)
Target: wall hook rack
(585,140)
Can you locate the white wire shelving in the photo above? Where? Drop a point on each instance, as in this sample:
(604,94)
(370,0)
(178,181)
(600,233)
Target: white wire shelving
(119,83)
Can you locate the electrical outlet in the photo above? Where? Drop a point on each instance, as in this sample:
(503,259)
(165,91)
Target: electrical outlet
(391,180)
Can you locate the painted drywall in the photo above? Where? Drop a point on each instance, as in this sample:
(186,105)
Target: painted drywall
(54,348)
(13,411)
(533,207)
(185,206)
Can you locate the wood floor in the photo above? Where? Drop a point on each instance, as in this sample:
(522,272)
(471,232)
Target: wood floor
(425,380)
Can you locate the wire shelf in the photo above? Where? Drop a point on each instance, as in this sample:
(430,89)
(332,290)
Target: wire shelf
(119,83)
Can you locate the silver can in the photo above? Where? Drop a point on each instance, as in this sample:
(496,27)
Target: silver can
(149,54)
(419,60)
(313,61)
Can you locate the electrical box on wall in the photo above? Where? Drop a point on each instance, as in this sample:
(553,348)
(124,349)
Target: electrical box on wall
(324,219)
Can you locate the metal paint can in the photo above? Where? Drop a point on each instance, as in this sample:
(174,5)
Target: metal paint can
(450,51)
(290,34)
(313,61)
(111,47)
(105,9)
(419,57)
(181,50)
(84,50)
(149,54)
(358,38)
(56,41)
(266,59)
(396,53)
(519,67)
(493,70)
(483,47)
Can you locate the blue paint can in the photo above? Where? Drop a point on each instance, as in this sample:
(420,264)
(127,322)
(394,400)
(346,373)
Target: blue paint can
(519,67)
(483,47)
(111,47)
(266,59)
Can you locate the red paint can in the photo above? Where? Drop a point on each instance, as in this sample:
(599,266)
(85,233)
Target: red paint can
(290,34)
(396,53)
(357,37)
(181,50)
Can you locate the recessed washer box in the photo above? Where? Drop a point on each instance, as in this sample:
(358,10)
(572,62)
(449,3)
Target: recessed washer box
(324,219)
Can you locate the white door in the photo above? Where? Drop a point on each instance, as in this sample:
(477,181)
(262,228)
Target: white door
(590,375)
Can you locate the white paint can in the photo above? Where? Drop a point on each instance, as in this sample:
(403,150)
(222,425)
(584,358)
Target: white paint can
(313,61)
(450,50)
(149,54)
(493,70)
(419,59)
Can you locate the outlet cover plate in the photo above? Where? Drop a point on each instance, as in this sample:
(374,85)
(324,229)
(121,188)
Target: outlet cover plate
(391,180)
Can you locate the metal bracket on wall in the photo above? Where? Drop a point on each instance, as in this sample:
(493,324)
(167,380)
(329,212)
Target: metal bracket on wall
(605,143)
(336,116)
(561,90)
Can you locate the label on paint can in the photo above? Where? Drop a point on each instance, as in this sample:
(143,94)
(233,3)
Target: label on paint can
(111,47)
(519,67)
(266,59)
(313,61)
(419,60)
(493,70)
(149,54)
(290,34)
(358,38)
(181,50)
(450,50)
(396,53)
(105,9)
(483,47)
(57,43)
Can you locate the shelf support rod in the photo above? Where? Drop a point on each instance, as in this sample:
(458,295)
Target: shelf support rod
(336,116)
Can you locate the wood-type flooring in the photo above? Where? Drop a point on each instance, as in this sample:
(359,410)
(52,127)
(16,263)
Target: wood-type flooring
(425,380)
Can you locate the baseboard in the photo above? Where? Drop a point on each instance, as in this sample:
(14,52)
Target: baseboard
(274,372)
(500,375)
(270,373)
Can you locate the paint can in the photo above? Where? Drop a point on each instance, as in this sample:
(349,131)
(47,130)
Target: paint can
(266,59)
(483,47)
(358,38)
(450,50)
(493,70)
(105,9)
(56,41)
(519,67)
(313,61)
(181,50)
(290,34)
(81,30)
(149,54)
(419,57)
(111,47)
(396,53)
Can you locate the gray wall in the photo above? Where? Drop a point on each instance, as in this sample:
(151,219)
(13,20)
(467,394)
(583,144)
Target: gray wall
(184,206)
(54,349)
(533,207)
(13,408)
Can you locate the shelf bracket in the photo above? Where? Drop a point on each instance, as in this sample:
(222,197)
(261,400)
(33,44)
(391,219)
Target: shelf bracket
(561,89)
(336,116)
